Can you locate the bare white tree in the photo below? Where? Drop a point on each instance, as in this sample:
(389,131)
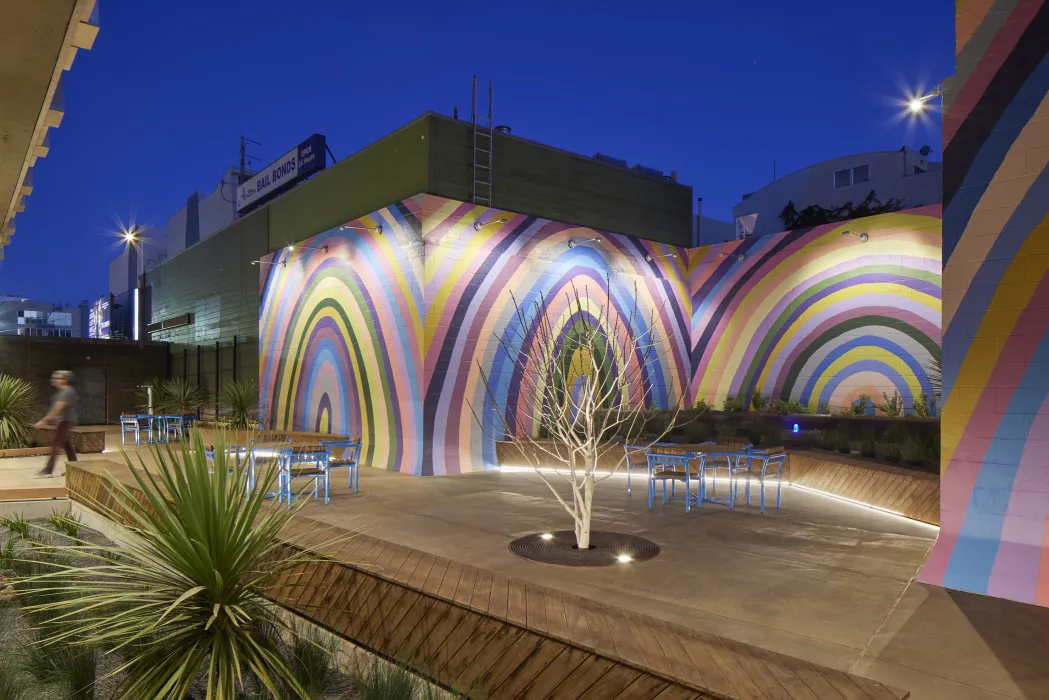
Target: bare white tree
(583,374)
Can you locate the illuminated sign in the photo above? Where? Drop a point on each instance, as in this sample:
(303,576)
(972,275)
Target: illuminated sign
(291,168)
(98,319)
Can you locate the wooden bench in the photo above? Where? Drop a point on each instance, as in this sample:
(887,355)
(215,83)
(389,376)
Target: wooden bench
(87,439)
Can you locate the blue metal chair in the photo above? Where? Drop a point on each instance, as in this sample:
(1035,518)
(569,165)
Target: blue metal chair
(173,427)
(153,425)
(132,424)
(638,452)
(236,453)
(347,459)
(763,465)
(302,464)
(665,467)
(711,464)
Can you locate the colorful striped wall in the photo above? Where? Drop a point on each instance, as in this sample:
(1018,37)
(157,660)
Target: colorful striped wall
(817,316)
(340,337)
(385,335)
(994,536)
(470,277)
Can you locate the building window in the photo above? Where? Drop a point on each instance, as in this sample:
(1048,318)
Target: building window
(842,178)
(861,173)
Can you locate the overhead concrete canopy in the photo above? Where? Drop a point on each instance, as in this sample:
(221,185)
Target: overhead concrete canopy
(38,41)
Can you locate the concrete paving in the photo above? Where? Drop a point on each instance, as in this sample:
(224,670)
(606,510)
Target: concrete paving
(820,579)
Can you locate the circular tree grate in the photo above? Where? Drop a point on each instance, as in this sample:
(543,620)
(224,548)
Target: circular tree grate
(606,548)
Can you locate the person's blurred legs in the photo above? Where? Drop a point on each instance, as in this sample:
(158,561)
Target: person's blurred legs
(62,440)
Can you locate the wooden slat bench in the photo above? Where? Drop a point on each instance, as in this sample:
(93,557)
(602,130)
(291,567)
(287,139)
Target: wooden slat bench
(914,494)
(502,638)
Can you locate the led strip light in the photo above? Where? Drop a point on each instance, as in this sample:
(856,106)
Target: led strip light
(753,481)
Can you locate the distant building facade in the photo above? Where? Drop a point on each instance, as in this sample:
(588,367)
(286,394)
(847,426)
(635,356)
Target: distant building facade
(906,174)
(21,316)
(200,218)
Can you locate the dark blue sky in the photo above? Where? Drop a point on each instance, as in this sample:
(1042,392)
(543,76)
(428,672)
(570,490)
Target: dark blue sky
(713,90)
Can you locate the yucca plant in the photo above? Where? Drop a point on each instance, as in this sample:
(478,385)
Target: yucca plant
(18,409)
(241,401)
(186,597)
(182,397)
(152,391)
(176,396)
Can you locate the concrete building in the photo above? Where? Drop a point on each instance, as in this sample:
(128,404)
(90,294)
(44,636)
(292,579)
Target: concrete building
(905,174)
(38,42)
(204,216)
(21,316)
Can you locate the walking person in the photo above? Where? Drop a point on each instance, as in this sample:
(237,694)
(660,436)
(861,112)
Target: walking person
(62,417)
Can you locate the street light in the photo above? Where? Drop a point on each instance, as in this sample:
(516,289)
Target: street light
(917,104)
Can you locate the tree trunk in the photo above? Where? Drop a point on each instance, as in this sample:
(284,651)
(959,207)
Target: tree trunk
(582,528)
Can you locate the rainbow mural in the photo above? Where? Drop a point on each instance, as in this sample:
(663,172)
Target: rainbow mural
(386,335)
(817,316)
(470,277)
(994,498)
(340,337)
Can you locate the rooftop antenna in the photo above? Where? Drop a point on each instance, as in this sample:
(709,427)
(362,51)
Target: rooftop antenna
(242,174)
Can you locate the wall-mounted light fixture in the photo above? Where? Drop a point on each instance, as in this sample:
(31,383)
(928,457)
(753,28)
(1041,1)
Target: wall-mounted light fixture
(293,248)
(478,225)
(862,236)
(738,256)
(282,263)
(375,229)
(572,243)
(649,257)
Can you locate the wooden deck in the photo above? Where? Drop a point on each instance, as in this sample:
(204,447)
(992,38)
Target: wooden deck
(498,637)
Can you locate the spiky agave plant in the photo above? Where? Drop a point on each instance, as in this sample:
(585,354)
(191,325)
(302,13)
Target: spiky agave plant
(241,400)
(186,596)
(18,405)
(182,396)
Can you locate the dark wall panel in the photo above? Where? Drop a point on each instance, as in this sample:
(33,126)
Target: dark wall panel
(531,178)
(113,367)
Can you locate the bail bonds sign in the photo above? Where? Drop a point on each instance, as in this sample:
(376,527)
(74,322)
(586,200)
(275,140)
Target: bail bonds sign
(294,166)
